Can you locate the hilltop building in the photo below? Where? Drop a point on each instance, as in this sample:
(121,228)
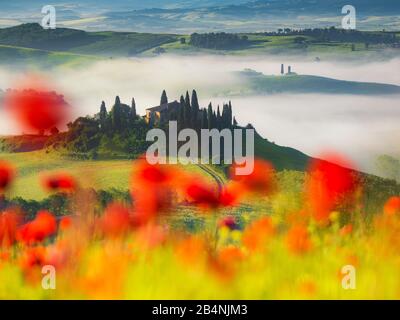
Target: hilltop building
(160,114)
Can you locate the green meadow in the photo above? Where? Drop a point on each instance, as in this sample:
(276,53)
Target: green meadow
(97,174)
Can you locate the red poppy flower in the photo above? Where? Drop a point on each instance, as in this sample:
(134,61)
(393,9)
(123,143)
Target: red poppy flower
(6,175)
(150,201)
(33,257)
(116,220)
(60,182)
(328,183)
(9,222)
(257,234)
(36,110)
(298,240)
(261,180)
(392,206)
(39,229)
(202,195)
(65,223)
(154,174)
(153,190)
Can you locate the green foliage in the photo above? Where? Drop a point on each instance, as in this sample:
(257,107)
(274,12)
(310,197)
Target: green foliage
(219,41)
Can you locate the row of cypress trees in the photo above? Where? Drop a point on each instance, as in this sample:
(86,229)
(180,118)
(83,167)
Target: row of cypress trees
(191,115)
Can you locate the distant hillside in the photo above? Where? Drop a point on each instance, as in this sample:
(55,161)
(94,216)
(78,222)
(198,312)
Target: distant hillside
(10,55)
(283,158)
(32,35)
(31,45)
(258,83)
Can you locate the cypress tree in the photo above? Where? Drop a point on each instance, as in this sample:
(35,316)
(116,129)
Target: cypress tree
(181,113)
(103,115)
(209,116)
(204,120)
(230,115)
(116,120)
(133,109)
(164,98)
(224,117)
(214,120)
(219,119)
(195,108)
(187,99)
(187,112)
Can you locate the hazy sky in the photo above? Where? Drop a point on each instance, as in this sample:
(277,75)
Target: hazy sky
(360,126)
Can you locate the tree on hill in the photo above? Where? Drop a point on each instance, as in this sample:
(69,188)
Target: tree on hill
(116,114)
(218,119)
(195,108)
(209,117)
(164,98)
(204,120)
(133,109)
(187,112)
(103,116)
(181,113)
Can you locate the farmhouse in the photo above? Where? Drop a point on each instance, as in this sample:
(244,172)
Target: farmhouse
(160,114)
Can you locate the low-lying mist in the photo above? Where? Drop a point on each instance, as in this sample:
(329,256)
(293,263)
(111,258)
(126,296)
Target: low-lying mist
(361,127)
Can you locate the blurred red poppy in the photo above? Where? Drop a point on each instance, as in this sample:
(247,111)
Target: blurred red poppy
(392,206)
(261,180)
(153,173)
(9,222)
(257,234)
(65,223)
(39,229)
(61,182)
(153,190)
(150,201)
(32,257)
(328,183)
(202,195)
(37,110)
(6,175)
(116,220)
(298,240)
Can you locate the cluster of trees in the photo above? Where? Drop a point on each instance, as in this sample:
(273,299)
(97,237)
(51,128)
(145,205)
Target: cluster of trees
(121,131)
(219,41)
(117,132)
(190,115)
(339,35)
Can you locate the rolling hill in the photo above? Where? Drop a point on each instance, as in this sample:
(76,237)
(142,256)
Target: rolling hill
(33,36)
(258,83)
(31,45)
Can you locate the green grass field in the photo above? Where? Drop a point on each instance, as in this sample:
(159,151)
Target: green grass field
(42,58)
(100,175)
